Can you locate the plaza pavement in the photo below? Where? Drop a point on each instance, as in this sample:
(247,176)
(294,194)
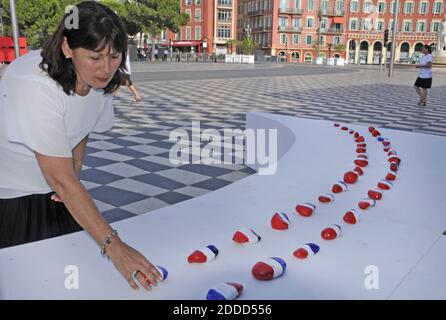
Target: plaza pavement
(128,172)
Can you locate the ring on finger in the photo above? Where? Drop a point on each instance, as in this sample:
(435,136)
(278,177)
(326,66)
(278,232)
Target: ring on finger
(135,273)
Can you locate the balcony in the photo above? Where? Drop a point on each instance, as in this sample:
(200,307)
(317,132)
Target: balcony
(224,4)
(290,10)
(256,13)
(337,13)
(323,12)
(331,30)
(289,29)
(224,21)
(332,13)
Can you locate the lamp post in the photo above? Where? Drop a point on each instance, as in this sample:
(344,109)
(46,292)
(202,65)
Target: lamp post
(394,31)
(286,48)
(15,28)
(1,21)
(248,30)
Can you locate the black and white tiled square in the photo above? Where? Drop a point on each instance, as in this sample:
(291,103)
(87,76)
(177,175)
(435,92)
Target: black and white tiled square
(128,171)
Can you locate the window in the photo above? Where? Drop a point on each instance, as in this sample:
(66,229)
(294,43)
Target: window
(310,5)
(297,23)
(322,40)
(298,4)
(392,7)
(295,39)
(407,26)
(380,25)
(310,22)
(283,4)
(423,7)
(435,26)
(366,8)
(188,31)
(187,2)
(225,2)
(197,14)
(178,35)
(188,12)
(354,6)
(224,15)
(366,25)
(323,24)
(421,26)
(336,40)
(408,7)
(381,7)
(353,24)
(308,40)
(308,57)
(325,5)
(283,22)
(197,33)
(339,5)
(224,32)
(283,38)
(197,1)
(438,7)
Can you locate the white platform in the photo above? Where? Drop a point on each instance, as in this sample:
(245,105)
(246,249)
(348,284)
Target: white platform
(401,235)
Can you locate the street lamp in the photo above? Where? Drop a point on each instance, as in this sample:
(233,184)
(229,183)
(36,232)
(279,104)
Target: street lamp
(1,21)
(248,30)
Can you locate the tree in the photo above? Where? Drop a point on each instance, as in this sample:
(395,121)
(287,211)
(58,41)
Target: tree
(156,16)
(317,46)
(340,47)
(231,43)
(247,45)
(37,19)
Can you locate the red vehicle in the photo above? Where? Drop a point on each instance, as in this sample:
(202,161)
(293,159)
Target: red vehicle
(7,54)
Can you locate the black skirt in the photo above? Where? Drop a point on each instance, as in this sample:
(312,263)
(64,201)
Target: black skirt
(425,83)
(32,218)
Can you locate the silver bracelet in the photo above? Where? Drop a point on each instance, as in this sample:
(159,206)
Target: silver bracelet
(108,241)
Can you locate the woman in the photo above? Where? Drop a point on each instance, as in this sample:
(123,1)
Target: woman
(126,81)
(424,80)
(49,102)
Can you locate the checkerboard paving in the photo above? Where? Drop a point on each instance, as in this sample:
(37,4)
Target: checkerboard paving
(128,172)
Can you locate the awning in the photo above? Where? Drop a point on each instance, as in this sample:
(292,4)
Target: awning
(338,20)
(186,43)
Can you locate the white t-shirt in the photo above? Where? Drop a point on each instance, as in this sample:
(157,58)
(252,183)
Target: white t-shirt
(425,73)
(36,115)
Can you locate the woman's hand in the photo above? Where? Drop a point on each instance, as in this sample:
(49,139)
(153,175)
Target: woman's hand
(133,266)
(56,198)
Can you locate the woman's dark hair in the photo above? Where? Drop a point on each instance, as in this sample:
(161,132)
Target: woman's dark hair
(428,48)
(98,27)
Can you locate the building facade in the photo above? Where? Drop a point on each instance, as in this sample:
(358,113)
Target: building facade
(212,24)
(301,30)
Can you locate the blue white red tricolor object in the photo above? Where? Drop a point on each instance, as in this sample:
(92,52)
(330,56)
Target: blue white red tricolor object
(351,217)
(339,187)
(269,268)
(326,198)
(306,250)
(331,232)
(163,272)
(224,291)
(375,194)
(385,185)
(305,209)
(280,221)
(207,254)
(246,235)
(366,203)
